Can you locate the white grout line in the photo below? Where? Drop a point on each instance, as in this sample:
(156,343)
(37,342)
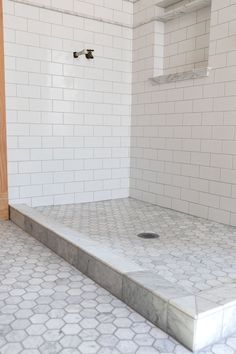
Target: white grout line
(73,13)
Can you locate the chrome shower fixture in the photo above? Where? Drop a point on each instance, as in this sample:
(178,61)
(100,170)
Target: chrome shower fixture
(87,52)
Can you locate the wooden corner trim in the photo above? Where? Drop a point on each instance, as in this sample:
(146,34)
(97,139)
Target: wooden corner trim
(4,212)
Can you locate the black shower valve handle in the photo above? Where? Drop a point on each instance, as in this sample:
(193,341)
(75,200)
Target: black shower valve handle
(87,52)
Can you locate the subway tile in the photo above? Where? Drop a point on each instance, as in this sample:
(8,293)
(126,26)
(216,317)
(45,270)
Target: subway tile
(78,112)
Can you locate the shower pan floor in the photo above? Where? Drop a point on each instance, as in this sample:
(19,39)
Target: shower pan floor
(183,281)
(194,253)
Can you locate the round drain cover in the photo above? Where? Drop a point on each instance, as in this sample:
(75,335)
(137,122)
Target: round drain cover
(148,235)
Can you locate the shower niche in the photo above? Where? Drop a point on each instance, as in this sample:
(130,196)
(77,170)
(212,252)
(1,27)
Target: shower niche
(181,40)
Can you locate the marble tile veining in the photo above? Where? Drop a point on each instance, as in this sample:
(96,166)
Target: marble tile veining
(49,307)
(193,253)
(186,75)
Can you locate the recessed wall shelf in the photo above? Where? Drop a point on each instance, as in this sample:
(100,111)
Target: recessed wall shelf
(186,75)
(183,8)
(181,49)
(167,3)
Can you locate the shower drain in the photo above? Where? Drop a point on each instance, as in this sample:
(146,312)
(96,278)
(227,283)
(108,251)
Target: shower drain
(148,235)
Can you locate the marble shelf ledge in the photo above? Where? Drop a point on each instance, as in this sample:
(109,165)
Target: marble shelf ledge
(185,75)
(183,8)
(167,3)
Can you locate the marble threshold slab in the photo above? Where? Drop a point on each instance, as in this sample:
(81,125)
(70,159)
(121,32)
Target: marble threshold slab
(196,321)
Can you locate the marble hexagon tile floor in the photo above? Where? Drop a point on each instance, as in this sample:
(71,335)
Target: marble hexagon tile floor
(195,253)
(48,307)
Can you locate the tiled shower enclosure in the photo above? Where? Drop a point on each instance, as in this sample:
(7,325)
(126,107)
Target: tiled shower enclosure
(150,117)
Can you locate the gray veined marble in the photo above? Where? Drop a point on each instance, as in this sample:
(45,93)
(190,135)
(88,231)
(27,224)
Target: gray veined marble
(186,75)
(181,326)
(208,330)
(195,306)
(174,9)
(49,307)
(189,291)
(157,284)
(196,321)
(186,253)
(222,295)
(167,3)
(143,300)
(66,311)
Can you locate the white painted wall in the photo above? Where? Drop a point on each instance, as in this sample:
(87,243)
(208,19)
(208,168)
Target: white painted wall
(68,120)
(183,153)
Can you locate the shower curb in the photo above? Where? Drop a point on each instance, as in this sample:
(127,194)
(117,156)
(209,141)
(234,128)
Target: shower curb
(194,320)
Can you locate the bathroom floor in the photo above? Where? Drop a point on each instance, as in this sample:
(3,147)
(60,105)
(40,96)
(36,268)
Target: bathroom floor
(195,253)
(48,307)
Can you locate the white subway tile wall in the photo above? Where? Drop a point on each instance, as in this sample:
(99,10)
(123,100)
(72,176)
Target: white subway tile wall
(186,41)
(68,119)
(70,128)
(183,135)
